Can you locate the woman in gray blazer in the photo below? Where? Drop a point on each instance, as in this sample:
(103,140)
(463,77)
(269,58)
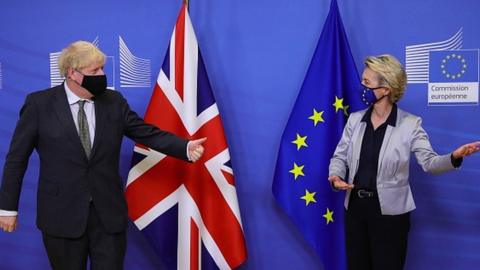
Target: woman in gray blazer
(374,153)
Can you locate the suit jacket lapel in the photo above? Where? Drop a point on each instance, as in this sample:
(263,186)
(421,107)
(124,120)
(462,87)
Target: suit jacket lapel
(100,122)
(64,114)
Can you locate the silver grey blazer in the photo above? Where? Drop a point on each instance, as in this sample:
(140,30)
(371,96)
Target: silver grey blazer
(393,185)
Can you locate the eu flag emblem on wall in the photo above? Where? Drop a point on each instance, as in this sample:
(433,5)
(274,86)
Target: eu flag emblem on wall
(453,66)
(328,94)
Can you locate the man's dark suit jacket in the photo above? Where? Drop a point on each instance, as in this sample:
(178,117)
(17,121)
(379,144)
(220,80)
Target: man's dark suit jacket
(68,181)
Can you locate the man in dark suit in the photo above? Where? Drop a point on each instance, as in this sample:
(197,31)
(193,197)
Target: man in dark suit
(77,129)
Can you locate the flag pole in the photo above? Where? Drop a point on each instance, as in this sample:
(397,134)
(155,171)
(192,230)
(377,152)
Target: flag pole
(186,3)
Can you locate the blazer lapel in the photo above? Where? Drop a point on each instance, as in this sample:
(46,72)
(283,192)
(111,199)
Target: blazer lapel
(357,147)
(64,114)
(386,139)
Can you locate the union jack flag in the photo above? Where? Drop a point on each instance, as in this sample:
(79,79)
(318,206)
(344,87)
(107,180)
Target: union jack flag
(188,211)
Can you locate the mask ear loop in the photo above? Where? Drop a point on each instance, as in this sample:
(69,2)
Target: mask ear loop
(380,98)
(75,70)
(383,95)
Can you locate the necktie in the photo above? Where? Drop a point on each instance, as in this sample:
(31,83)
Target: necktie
(83,128)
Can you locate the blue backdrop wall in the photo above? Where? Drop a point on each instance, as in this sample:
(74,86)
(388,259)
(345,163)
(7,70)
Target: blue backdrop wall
(256,53)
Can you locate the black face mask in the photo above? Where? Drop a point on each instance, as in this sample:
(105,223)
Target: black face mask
(95,84)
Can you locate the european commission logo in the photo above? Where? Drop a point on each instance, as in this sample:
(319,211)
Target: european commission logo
(453,77)
(450,72)
(134,71)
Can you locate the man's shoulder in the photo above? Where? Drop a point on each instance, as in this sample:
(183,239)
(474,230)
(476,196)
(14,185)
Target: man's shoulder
(45,93)
(111,97)
(113,94)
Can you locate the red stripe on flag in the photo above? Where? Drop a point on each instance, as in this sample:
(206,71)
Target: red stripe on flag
(229,178)
(179,51)
(194,246)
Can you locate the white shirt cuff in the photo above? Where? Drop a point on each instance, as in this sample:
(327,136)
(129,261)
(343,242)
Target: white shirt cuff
(5,213)
(188,154)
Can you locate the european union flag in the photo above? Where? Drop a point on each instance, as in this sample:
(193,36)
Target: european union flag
(329,93)
(453,66)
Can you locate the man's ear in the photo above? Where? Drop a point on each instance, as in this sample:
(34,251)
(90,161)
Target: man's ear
(70,72)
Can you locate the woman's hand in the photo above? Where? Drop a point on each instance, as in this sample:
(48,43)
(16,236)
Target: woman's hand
(338,183)
(466,150)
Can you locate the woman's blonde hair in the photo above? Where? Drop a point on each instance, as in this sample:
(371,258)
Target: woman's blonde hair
(391,72)
(78,55)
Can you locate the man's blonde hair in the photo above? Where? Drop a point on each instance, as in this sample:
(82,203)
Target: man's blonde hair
(392,74)
(78,55)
